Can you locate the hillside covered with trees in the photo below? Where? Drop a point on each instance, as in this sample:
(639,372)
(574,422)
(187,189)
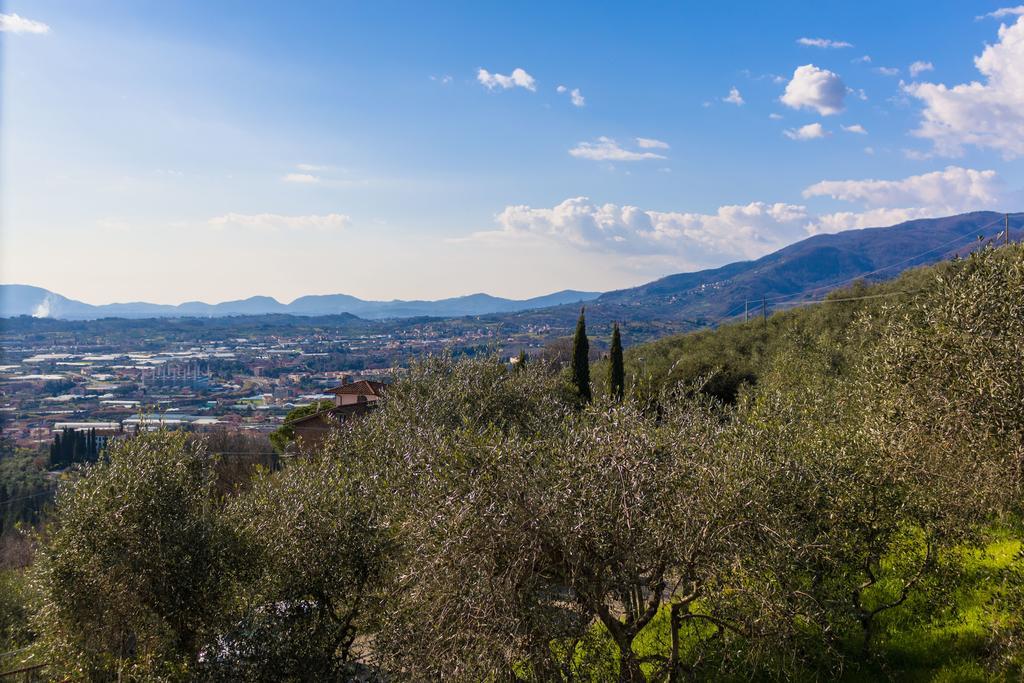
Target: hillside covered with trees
(831,493)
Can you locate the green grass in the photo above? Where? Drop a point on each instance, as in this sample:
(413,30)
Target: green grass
(952,646)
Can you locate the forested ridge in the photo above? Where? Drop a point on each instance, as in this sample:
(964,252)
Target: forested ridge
(829,493)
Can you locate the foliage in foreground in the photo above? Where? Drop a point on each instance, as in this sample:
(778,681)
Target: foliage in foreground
(830,521)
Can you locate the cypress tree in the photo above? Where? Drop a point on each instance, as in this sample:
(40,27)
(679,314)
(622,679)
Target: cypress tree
(55,451)
(616,368)
(521,360)
(581,359)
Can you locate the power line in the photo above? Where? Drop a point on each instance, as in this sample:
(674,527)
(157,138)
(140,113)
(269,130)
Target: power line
(849,298)
(861,276)
(33,495)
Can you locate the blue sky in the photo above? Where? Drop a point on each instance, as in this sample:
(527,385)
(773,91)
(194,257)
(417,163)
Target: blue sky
(196,150)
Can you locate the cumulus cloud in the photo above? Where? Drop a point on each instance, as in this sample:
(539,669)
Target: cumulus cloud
(306,178)
(1003,12)
(953,186)
(739,230)
(517,79)
(823,42)
(872,218)
(271,222)
(813,88)
(951,190)
(607,149)
(13,23)
(863,59)
(811,131)
(988,114)
(888,71)
(733,97)
(919,67)
(855,128)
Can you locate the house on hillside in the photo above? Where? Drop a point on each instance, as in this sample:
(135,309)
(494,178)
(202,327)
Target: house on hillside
(363,391)
(350,401)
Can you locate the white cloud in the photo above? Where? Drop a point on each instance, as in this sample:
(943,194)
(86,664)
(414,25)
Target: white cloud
(888,71)
(920,67)
(306,178)
(741,230)
(1003,12)
(811,131)
(855,128)
(953,187)
(814,88)
(872,218)
(775,117)
(13,23)
(576,97)
(734,97)
(607,149)
(939,193)
(823,42)
(443,80)
(310,167)
(987,114)
(517,79)
(271,222)
(863,59)
(651,143)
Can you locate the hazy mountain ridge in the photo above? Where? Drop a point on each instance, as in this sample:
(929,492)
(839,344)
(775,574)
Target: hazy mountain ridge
(16,300)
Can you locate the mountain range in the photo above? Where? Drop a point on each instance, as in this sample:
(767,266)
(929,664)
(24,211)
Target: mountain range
(16,300)
(805,269)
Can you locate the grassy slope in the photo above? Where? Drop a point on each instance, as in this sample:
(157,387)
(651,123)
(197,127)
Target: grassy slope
(737,353)
(952,647)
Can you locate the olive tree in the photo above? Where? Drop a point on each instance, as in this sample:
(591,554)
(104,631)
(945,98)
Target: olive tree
(454,447)
(864,529)
(535,535)
(318,546)
(134,570)
(946,376)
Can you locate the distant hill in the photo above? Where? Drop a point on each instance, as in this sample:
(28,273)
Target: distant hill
(806,269)
(16,300)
